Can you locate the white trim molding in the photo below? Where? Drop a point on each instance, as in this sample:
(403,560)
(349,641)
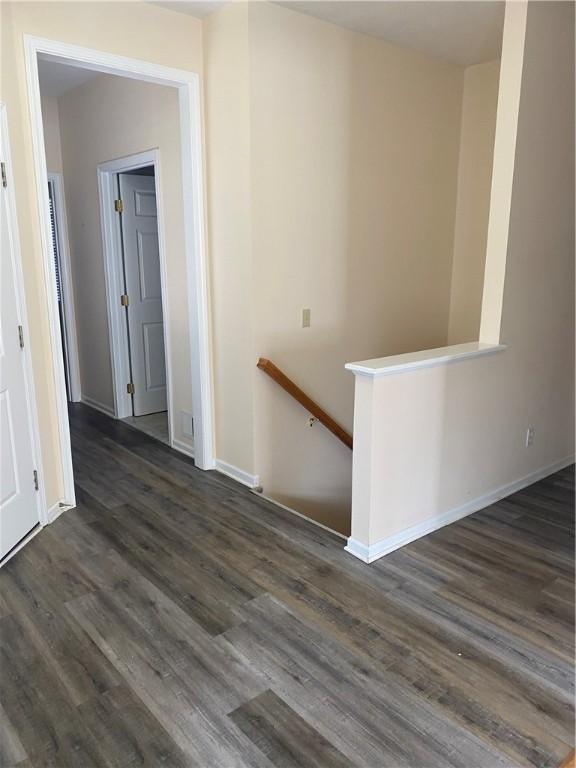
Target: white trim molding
(188,85)
(251,481)
(197,268)
(368,553)
(425,358)
(32,49)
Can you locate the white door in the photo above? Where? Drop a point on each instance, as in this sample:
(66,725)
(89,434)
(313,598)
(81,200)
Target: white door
(18,502)
(144,289)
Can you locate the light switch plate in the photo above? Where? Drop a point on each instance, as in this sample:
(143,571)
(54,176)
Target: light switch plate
(305,318)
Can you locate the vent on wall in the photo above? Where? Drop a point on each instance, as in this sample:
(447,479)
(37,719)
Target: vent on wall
(187,424)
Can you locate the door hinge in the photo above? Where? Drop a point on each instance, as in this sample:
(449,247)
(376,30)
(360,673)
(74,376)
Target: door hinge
(124,300)
(36,486)
(4,178)
(21,336)
(130,388)
(118,206)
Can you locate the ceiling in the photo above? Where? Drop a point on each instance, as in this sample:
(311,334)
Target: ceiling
(56,79)
(197,9)
(462,31)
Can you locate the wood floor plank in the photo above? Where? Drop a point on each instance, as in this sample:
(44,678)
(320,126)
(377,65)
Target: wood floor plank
(128,733)
(283,736)
(506,614)
(176,618)
(169,683)
(80,667)
(44,717)
(561,589)
(408,728)
(11,750)
(199,589)
(543,665)
(144,616)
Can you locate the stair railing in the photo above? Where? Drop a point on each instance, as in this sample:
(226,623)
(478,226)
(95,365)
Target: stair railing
(312,407)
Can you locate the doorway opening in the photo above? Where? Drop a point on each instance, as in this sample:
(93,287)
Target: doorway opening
(189,404)
(135,264)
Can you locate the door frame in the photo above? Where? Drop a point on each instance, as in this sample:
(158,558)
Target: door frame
(113,254)
(188,86)
(44,515)
(66,285)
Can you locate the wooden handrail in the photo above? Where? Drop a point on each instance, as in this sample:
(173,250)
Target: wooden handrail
(569,761)
(292,389)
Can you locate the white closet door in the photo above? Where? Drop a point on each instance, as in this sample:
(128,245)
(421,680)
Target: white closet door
(18,502)
(143,286)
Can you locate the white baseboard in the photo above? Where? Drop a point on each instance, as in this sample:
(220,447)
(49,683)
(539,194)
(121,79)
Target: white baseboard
(252,481)
(370,552)
(178,445)
(91,403)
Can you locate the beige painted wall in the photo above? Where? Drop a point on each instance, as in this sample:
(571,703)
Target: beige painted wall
(106,118)
(52,143)
(296,153)
(430,441)
(351,193)
(479,102)
(163,37)
(230,232)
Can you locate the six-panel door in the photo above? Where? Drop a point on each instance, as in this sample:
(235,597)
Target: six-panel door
(144,288)
(18,505)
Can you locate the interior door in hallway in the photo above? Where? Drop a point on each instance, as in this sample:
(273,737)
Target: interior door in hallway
(144,290)
(18,504)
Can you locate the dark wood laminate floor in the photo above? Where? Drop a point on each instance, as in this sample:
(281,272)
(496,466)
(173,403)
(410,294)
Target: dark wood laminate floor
(176,619)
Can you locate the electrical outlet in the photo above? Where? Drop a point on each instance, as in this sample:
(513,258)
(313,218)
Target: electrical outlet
(305,318)
(529,437)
